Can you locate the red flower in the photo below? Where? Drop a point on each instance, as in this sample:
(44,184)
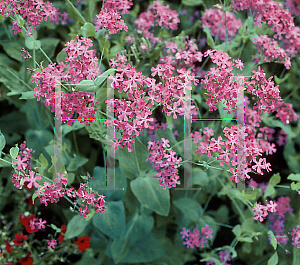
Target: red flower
(26,260)
(83,243)
(9,248)
(62,234)
(19,240)
(25,221)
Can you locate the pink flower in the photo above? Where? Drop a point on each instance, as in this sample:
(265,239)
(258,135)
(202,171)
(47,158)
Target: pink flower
(214,17)
(32,179)
(52,243)
(19,163)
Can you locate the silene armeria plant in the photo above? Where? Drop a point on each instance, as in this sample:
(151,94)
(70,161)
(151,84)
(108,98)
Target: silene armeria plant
(158,132)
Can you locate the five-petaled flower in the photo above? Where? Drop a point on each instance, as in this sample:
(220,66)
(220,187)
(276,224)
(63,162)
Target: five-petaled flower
(83,243)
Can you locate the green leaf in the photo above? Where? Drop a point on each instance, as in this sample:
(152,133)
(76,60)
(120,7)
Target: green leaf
(270,190)
(119,249)
(137,158)
(76,162)
(49,46)
(37,140)
(2,142)
(86,85)
(192,2)
(27,95)
(199,177)
(20,20)
(43,160)
(74,13)
(61,56)
(294,177)
(151,195)
(70,178)
(58,230)
(273,260)
(282,80)
(189,207)
(100,79)
(99,184)
(112,221)
(273,239)
(144,251)
(275,179)
(32,44)
(75,226)
(210,41)
(295,186)
(13,49)
(88,30)
(100,33)
(34,196)
(14,151)
(138,227)
(237,230)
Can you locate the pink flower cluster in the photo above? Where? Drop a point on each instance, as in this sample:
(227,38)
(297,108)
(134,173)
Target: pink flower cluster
(229,155)
(53,191)
(296,236)
(157,15)
(261,211)
(110,17)
(278,218)
(133,114)
(162,158)
(80,65)
(282,138)
(33,12)
(195,238)
(224,257)
(214,18)
(280,20)
(270,51)
(185,56)
(218,82)
(293,6)
(270,12)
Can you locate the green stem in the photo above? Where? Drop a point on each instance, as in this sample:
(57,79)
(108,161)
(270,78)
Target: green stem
(16,76)
(76,10)
(5,161)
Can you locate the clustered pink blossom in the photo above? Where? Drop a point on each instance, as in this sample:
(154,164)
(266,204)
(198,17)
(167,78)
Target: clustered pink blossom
(156,15)
(296,236)
(224,257)
(270,51)
(214,19)
(280,20)
(133,114)
(80,65)
(110,17)
(218,81)
(195,238)
(185,56)
(282,138)
(229,155)
(261,211)
(162,158)
(53,191)
(293,6)
(270,12)
(278,218)
(32,11)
